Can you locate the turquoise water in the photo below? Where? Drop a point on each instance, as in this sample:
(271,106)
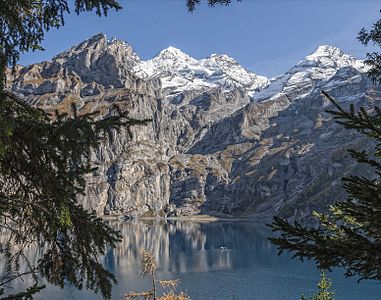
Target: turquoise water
(247,268)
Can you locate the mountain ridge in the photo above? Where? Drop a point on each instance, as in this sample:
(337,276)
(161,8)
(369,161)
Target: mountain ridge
(223,140)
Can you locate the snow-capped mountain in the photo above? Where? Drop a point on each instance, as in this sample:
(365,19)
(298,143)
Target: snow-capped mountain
(179,72)
(315,69)
(222,140)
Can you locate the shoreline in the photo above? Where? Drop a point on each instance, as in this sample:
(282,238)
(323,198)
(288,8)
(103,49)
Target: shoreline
(196,218)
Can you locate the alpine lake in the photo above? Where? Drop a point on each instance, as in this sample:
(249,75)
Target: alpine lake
(214,261)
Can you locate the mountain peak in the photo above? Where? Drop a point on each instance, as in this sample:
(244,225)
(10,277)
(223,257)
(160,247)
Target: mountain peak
(330,57)
(90,49)
(327,51)
(223,58)
(96,38)
(173,53)
(97,41)
(319,67)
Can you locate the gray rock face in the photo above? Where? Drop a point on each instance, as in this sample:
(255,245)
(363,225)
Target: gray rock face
(222,140)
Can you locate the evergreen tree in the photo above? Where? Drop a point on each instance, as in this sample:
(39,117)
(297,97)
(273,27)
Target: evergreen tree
(43,159)
(349,235)
(149,268)
(324,286)
(42,163)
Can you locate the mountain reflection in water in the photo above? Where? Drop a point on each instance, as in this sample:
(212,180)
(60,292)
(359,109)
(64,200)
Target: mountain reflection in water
(183,247)
(215,260)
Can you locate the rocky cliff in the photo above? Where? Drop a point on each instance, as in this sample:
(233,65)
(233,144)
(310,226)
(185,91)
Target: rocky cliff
(222,140)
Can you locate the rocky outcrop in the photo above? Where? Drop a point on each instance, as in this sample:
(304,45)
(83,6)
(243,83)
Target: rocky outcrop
(222,140)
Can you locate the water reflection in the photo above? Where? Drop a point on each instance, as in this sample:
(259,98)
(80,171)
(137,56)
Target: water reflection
(247,267)
(183,247)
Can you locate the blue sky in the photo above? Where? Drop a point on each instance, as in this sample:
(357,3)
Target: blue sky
(265,36)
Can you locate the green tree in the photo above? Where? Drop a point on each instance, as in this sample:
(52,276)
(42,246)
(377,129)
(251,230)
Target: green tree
(42,163)
(349,235)
(325,289)
(149,267)
(43,160)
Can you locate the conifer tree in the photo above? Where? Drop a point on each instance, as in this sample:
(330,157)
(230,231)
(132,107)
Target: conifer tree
(349,235)
(149,268)
(42,163)
(325,289)
(43,159)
